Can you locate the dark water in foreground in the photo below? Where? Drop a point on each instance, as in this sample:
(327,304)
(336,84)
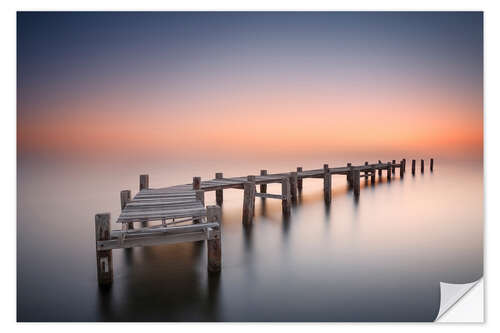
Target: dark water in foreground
(378,260)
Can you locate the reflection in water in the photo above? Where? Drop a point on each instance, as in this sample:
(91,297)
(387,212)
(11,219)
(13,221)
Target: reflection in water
(327,262)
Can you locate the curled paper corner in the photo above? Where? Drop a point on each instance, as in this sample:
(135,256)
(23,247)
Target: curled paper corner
(451,293)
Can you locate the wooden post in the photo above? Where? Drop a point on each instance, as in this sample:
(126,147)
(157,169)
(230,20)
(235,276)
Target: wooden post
(327,184)
(389,171)
(422,166)
(401,169)
(104,257)
(248,201)
(197,187)
(219,194)
(286,196)
(143,182)
(404,164)
(432,164)
(372,180)
(349,174)
(299,179)
(293,187)
(393,166)
(214,253)
(263,187)
(355,182)
(125,198)
(413,167)
(380,170)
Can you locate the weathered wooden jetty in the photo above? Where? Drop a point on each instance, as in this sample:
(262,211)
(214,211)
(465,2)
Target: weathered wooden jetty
(181,216)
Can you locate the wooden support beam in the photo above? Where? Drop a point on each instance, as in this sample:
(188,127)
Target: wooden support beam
(349,174)
(219,194)
(125,197)
(355,182)
(104,257)
(432,164)
(263,187)
(248,202)
(269,196)
(214,253)
(293,187)
(327,184)
(286,197)
(143,182)
(389,171)
(421,166)
(197,187)
(413,167)
(299,180)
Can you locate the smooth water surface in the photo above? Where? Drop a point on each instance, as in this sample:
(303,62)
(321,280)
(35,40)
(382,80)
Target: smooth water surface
(380,259)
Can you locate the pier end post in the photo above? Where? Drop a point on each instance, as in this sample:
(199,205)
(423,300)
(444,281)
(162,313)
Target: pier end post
(125,197)
(219,194)
(143,182)
(263,187)
(104,257)
(214,253)
(327,183)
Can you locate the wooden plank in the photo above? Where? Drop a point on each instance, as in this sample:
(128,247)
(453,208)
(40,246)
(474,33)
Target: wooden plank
(160,239)
(269,196)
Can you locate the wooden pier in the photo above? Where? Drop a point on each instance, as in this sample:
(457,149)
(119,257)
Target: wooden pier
(181,216)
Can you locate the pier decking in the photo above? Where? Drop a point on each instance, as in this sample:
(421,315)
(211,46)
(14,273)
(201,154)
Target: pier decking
(181,215)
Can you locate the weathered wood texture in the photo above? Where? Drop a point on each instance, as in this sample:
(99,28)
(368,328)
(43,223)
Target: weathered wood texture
(214,252)
(327,184)
(293,187)
(143,182)
(125,197)
(219,194)
(104,257)
(356,182)
(248,202)
(286,197)
(263,187)
(299,179)
(393,166)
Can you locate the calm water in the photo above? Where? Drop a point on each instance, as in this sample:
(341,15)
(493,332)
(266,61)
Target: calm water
(378,260)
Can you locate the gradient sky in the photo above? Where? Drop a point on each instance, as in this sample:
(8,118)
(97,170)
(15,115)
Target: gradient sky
(273,83)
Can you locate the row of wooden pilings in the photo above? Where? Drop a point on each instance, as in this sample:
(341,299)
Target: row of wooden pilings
(292,184)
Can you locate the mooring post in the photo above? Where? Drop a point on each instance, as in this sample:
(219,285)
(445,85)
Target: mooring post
(355,182)
(404,164)
(401,169)
(413,167)
(248,201)
(125,197)
(104,257)
(285,196)
(263,187)
(349,174)
(196,188)
(219,194)
(293,187)
(393,166)
(432,164)
(389,171)
(327,183)
(422,166)
(214,253)
(299,179)
(372,179)
(380,169)
(143,182)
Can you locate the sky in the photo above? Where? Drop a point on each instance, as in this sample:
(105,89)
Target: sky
(280,83)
